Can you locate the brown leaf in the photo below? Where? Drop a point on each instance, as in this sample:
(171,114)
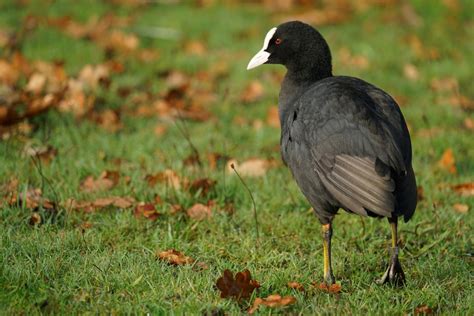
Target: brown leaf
(464,189)
(203,185)
(295,286)
(255,167)
(351,60)
(272,301)
(468,123)
(333,288)
(100,203)
(461,208)
(420,193)
(91,75)
(199,212)
(423,310)
(411,72)
(273,118)
(108,119)
(174,257)
(195,48)
(240,287)
(447,161)
(252,93)
(169,177)
(35,219)
(45,153)
(146,210)
(31,199)
(106,181)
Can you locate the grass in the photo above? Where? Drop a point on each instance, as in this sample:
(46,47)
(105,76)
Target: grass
(60,268)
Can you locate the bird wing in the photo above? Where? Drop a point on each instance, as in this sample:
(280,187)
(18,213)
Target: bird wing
(354,148)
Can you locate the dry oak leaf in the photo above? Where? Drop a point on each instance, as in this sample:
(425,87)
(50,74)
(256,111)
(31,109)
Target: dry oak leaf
(273,118)
(333,288)
(423,310)
(106,180)
(447,161)
(295,286)
(240,287)
(32,199)
(168,176)
(199,212)
(253,92)
(461,208)
(146,210)
(174,257)
(203,185)
(272,301)
(464,189)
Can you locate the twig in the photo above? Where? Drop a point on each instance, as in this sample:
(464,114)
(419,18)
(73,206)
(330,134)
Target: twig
(184,131)
(253,200)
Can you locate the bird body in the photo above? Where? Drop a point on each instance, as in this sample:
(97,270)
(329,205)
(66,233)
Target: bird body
(345,141)
(347,146)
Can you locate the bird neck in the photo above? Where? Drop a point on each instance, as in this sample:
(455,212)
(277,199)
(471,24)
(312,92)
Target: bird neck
(297,80)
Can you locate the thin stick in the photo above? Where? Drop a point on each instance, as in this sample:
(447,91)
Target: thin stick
(251,196)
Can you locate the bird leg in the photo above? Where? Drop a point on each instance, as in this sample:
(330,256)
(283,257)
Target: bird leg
(394,273)
(327,234)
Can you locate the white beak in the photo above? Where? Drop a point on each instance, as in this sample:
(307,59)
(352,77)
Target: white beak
(262,56)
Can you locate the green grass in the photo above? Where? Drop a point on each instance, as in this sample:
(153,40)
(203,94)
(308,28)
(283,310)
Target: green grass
(111,267)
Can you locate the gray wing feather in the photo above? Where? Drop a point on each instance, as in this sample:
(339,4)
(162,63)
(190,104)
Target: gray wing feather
(356,184)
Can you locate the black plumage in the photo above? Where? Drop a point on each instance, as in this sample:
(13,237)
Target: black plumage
(344,140)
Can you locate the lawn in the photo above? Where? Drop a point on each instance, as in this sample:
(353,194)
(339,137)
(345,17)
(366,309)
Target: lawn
(96,186)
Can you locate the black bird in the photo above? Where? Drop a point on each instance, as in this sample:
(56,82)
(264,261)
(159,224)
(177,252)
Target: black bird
(345,141)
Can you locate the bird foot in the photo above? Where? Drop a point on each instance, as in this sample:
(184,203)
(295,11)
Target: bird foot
(394,274)
(329,279)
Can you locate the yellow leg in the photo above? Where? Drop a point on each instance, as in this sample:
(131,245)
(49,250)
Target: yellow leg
(393,227)
(328,275)
(394,273)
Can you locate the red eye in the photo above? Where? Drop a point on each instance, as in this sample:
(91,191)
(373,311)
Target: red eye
(278,41)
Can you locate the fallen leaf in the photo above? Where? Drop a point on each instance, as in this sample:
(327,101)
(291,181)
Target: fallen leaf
(447,161)
(295,286)
(254,167)
(253,92)
(100,203)
(106,181)
(468,123)
(423,310)
(351,60)
(174,257)
(273,118)
(242,286)
(195,48)
(216,159)
(461,208)
(420,193)
(108,119)
(333,288)
(169,177)
(199,212)
(35,219)
(32,198)
(449,84)
(203,186)
(411,72)
(464,189)
(146,210)
(272,301)
(45,153)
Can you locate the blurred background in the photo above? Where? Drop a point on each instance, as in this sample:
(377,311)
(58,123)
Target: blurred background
(120,120)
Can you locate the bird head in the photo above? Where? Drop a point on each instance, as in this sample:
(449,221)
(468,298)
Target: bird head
(297,46)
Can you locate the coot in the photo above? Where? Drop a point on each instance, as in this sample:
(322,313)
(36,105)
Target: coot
(344,140)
